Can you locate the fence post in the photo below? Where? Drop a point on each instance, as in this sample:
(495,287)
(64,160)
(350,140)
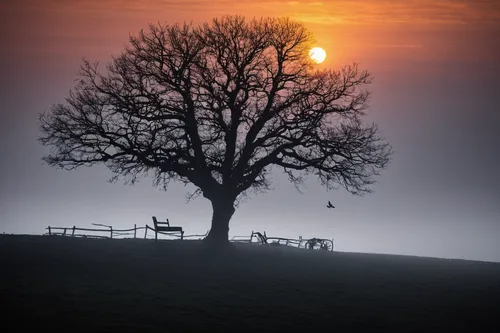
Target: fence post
(145,231)
(50,233)
(73,233)
(64,232)
(135,230)
(111,232)
(251,236)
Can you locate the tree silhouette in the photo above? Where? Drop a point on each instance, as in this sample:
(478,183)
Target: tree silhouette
(218,105)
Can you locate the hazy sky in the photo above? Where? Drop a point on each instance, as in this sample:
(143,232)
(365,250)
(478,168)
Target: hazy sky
(435,95)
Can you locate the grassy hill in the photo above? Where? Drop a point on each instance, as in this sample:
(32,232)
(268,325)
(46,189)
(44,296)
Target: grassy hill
(89,285)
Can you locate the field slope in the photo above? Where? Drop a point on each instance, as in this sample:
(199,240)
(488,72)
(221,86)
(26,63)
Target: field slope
(66,284)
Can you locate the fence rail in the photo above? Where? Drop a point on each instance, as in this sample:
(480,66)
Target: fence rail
(255,237)
(311,243)
(112,233)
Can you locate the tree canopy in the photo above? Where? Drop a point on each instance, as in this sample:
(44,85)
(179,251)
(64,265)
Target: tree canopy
(219,105)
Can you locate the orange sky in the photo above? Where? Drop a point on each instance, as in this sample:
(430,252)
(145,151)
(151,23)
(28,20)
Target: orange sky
(372,32)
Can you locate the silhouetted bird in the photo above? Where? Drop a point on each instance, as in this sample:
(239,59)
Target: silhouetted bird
(330,205)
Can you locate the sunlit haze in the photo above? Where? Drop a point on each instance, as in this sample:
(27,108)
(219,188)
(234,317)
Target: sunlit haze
(434,95)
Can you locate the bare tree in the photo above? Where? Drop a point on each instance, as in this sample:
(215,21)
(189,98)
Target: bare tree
(218,105)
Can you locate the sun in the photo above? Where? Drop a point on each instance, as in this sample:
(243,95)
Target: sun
(317,54)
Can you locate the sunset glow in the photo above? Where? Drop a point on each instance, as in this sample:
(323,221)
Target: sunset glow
(435,72)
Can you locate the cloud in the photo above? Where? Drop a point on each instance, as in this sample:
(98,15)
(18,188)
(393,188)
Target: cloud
(399,46)
(416,12)
(324,12)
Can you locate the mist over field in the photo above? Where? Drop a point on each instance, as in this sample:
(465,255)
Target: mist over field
(434,96)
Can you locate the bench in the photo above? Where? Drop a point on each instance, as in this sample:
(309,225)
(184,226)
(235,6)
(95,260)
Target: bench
(165,226)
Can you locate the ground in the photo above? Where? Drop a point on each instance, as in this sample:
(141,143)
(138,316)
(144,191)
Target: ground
(67,284)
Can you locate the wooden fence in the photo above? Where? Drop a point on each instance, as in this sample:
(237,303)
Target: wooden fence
(110,232)
(255,237)
(311,243)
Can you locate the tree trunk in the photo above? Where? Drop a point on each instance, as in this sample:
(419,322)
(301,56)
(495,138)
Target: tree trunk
(223,210)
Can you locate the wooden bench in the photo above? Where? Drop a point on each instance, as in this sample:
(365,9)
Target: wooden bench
(165,226)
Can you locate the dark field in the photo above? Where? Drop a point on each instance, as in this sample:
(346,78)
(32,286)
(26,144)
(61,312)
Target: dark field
(51,283)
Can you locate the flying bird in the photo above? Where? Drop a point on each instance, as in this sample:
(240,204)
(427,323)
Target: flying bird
(330,205)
